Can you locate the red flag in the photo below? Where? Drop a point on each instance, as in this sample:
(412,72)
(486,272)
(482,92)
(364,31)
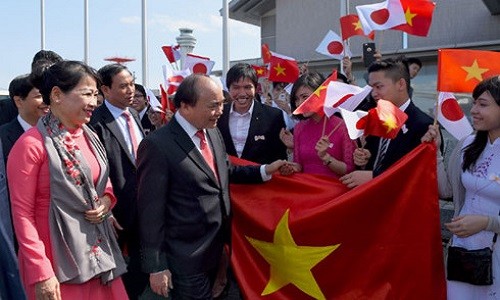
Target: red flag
(198,64)
(165,102)
(316,101)
(350,25)
(173,78)
(283,68)
(266,54)
(261,71)
(451,116)
(172,53)
(418,14)
(460,70)
(306,236)
(385,120)
(381,16)
(333,46)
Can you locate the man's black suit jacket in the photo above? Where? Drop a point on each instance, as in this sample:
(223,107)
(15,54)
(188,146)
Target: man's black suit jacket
(123,172)
(183,208)
(10,133)
(263,144)
(407,139)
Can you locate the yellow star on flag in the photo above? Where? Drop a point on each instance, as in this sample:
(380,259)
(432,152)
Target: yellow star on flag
(317,92)
(474,71)
(279,70)
(390,123)
(357,25)
(291,263)
(260,71)
(409,17)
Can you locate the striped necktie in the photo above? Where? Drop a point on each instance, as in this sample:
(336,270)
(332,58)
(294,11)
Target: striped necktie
(384,144)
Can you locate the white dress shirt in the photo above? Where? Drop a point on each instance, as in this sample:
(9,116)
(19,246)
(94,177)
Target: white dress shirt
(239,124)
(122,124)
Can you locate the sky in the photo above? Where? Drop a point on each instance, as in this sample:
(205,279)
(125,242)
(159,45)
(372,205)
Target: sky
(115,30)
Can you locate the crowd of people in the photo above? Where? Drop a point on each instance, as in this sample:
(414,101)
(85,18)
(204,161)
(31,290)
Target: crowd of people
(112,197)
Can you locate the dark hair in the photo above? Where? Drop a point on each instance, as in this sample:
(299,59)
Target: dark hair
(188,91)
(107,73)
(312,80)
(140,88)
(474,150)
(414,60)
(66,75)
(43,57)
(20,86)
(342,77)
(239,71)
(395,69)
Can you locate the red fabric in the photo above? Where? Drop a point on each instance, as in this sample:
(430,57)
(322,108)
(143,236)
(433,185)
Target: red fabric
(385,120)
(266,54)
(388,231)
(350,25)
(261,71)
(172,53)
(460,70)
(418,17)
(165,102)
(316,101)
(283,69)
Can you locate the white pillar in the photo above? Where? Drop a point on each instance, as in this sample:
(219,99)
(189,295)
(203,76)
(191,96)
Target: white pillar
(86,31)
(144,45)
(42,24)
(186,42)
(225,37)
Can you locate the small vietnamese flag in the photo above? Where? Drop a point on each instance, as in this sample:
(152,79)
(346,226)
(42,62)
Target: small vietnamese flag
(460,70)
(385,120)
(266,54)
(261,71)
(451,116)
(316,101)
(283,68)
(418,14)
(350,25)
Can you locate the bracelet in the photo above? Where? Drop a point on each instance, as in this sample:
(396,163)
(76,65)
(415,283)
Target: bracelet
(327,162)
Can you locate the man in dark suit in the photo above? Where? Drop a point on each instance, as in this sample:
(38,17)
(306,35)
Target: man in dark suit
(249,128)
(390,81)
(184,207)
(30,106)
(141,106)
(120,131)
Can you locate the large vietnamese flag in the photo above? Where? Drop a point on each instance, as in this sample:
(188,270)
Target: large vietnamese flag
(418,14)
(460,70)
(307,237)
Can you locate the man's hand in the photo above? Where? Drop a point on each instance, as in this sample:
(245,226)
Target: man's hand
(161,282)
(356,178)
(361,157)
(275,166)
(48,289)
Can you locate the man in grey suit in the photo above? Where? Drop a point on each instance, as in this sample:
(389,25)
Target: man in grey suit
(120,131)
(184,207)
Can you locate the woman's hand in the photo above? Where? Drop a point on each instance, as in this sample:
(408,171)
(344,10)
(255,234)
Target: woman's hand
(432,134)
(48,289)
(361,157)
(322,145)
(99,214)
(467,225)
(287,138)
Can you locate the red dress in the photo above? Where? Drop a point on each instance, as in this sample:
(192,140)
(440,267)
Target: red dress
(29,186)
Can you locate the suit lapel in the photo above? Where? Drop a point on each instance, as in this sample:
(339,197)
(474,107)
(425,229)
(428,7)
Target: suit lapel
(253,129)
(224,119)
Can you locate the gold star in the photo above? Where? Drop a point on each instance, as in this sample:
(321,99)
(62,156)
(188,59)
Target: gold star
(291,263)
(317,92)
(409,17)
(474,71)
(260,71)
(390,123)
(357,25)
(280,70)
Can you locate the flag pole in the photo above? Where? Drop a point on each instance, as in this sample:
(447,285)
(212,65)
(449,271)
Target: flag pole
(42,24)
(436,111)
(86,31)
(144,45)
(225,37)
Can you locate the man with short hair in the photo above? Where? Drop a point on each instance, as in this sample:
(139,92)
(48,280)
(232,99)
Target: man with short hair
(184,208)
(250,129)
(141,106)
(120,131)
(390,80)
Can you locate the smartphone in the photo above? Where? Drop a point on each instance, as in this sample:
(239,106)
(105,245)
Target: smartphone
(368,52)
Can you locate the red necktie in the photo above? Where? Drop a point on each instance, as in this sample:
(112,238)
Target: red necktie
(131,131)
(205,151)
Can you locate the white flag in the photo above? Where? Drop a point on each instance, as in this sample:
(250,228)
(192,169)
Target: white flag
(351,119)
(333,46)
(347,96)
(451,116)
(381,16)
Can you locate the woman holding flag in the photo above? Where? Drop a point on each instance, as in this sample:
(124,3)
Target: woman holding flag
(472,177)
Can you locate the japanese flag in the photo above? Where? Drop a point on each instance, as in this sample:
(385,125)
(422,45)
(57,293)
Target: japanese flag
(198,64)
(347,96)
(381,16)
(351,119)
(332,46)
(451,116)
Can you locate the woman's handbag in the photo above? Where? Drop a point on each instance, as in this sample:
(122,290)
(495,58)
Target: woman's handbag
(471,266)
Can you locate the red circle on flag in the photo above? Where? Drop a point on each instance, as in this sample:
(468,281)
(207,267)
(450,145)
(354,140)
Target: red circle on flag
(335,47)
(451,110)
(200,68)
(380,16)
